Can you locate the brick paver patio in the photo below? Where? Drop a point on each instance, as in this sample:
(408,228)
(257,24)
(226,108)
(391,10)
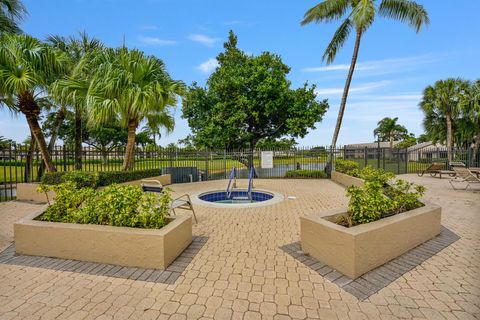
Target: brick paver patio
(242,272)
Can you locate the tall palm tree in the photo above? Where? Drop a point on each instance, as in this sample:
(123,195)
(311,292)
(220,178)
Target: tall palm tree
(158,121)
(11,13)
(442,101)
(75,48)
(128,86)
(359,15)
(27,68)
(470,109)
(389,130)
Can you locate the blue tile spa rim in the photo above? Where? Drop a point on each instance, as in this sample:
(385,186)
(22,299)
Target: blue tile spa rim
(218,198)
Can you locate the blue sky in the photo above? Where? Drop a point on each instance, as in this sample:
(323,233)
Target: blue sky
(395,63)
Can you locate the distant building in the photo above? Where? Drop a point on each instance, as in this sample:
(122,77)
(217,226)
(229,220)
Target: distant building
(358,150)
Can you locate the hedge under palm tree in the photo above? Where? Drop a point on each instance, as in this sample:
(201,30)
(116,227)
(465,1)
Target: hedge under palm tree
(359,15)
(27,68)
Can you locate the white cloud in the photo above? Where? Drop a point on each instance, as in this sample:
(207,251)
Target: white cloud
(203,39)
(148,27)
(208,66)
(360,88)
(334,67)
(383,66)
(155,41)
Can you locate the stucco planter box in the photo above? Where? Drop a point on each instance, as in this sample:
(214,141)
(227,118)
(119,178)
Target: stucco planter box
(346,180)
(359,249)
(28,192)
(129,247)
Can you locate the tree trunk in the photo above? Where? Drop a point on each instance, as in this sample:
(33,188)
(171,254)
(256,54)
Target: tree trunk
(449,138)
(343,103)
(78,138)
(59,117)
(29,107)
(29,160)
(129,158)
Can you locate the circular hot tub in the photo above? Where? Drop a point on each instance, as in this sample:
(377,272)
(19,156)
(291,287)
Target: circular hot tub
(239,198)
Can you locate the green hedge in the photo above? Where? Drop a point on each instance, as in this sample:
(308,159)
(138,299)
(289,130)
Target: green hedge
(97,179)
(344,166)
(108,177)
(306,174)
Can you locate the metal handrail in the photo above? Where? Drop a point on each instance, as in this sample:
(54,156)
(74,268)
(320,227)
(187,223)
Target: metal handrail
(233,175)
(250,184)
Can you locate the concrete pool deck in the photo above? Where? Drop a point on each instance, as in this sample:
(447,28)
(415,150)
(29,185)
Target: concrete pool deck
(241,271)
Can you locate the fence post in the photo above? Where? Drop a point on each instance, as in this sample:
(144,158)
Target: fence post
(206,165)
(225,163)
(365,156)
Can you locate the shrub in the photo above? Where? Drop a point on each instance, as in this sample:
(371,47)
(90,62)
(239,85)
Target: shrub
(378,199)
(370,174)
(115,205)
(108,177)
(298,174)
(344,166)
(53,178)
(96,179)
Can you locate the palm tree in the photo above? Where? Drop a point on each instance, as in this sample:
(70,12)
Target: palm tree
(442,101)
(359,15)
(75,48)
(27,68)
(389,130)
(125,85)
(11,13)
(470,109)
(158,121)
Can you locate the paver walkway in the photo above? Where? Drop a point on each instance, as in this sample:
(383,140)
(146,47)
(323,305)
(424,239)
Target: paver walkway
(241,272)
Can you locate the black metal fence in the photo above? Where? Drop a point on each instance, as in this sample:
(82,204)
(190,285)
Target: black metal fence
(19,164)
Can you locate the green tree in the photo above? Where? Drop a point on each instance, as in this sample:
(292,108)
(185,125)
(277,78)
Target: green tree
(12,12)
(75,48)
(389,130)
(124,85)
(441,106)
(407,142)
(359,15)
(470,111)
(276,144)
(248,98)
(27,68)
(162,120)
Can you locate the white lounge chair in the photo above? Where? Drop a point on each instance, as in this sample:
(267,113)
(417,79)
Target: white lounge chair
(463,175)
(182,202)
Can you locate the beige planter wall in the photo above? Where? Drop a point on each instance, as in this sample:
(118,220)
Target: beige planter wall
(131,247)
(346,180)
(28,192)
(357,250)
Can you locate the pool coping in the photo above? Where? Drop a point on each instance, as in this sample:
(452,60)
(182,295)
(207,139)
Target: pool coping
(277,198)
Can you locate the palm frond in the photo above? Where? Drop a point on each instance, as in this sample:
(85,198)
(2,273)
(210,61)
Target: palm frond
(326,11)
(407,11)
(363,14)
(338,40)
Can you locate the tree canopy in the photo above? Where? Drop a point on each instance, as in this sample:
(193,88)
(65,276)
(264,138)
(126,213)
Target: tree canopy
(249,98)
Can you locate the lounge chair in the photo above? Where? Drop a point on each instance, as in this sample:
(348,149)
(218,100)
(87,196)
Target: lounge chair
(464,175)
(182,202)
(434,169)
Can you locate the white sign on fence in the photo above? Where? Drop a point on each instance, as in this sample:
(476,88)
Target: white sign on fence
(267,159)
